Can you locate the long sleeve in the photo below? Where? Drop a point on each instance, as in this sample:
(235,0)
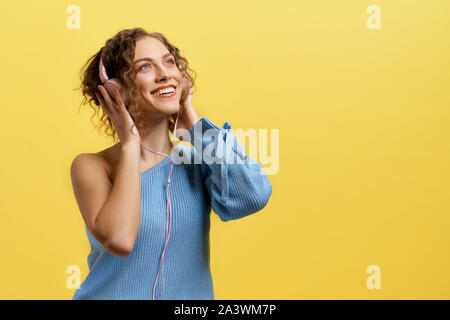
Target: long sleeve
(236,185)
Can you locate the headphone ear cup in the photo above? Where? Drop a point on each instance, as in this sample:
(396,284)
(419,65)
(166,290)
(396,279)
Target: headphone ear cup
(111,83)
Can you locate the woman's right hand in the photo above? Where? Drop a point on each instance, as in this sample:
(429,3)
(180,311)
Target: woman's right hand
(115,109)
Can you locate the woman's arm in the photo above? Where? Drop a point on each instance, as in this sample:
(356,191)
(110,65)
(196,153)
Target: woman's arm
(237,185)
(235,188)
(112,212)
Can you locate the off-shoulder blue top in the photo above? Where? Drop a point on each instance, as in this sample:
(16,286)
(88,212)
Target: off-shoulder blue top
(234,187)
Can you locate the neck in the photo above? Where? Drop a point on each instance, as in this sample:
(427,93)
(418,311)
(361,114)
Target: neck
(156,138)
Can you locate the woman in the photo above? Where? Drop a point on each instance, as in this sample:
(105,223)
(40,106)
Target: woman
(129,206)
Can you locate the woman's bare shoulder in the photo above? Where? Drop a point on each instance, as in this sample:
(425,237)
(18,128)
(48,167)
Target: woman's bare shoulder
(110,158)
(107,158)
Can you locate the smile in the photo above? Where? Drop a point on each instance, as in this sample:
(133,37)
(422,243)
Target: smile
(165,93)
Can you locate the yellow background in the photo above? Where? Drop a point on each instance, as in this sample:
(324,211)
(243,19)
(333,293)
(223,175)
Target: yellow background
(364,140)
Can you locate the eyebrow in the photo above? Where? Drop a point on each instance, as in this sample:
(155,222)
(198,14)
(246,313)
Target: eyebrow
(150,59)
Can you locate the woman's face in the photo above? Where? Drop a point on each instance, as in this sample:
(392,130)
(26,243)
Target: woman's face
(155,67)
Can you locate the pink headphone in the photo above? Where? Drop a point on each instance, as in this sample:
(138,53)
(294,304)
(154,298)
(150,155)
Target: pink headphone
(109,84)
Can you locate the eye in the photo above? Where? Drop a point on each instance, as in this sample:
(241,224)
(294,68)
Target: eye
(170,60)
(143,66)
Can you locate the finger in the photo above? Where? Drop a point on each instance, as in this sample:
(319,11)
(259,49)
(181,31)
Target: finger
(107,99)
(118,99)
(112,102)
(103,104)
(122,105)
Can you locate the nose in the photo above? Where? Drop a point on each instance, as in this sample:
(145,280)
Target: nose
(163,74)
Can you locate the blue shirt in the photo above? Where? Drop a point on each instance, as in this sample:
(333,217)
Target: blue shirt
(234,187)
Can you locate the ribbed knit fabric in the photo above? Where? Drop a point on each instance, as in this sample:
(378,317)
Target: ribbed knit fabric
(232,189)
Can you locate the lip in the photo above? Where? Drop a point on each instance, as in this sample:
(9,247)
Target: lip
(166,95)
(164,87)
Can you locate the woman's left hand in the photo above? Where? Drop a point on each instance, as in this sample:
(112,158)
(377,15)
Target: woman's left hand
(187,117)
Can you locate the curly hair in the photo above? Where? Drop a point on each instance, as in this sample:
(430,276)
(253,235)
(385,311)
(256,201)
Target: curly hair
(118,55)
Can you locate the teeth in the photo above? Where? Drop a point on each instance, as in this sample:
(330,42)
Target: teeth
(162,91)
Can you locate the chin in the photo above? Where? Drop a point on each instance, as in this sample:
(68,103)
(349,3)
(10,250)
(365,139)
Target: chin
(167,109)
(174,110)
